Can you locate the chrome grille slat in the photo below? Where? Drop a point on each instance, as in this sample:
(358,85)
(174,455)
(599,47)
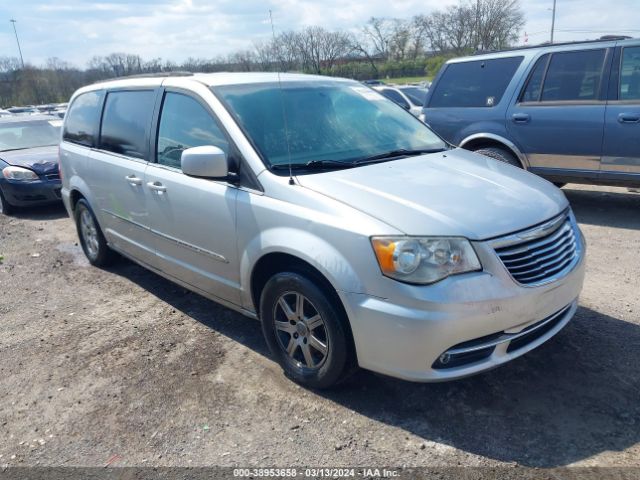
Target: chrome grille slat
(568,248)
(541,259)
(563,242)
(544,273)
(539,243)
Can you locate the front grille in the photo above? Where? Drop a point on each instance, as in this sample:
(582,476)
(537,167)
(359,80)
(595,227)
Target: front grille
(53,176)
(541,254)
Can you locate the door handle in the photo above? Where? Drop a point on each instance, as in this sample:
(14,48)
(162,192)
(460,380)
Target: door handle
(157,187)
(520,118)
(133,180)
(629,118)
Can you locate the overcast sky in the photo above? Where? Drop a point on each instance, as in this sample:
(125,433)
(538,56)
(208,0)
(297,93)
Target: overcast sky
(75,30)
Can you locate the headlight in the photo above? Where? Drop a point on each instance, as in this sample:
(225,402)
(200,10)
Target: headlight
(20,174)
(424,259)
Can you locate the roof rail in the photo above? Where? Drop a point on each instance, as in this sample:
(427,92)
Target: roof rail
(604,38)
(615,37)
(146,75)
(157,74)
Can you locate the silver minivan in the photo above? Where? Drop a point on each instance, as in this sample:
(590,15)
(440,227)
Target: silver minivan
(344,224)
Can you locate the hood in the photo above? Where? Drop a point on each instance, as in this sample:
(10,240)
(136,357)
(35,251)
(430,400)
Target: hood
(456,193)
(39,159)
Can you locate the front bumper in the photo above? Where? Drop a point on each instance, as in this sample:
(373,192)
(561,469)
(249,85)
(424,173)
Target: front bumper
(406,333)
(23,194)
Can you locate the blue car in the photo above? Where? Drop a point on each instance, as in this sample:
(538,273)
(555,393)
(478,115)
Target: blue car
(567,112)
(29,161)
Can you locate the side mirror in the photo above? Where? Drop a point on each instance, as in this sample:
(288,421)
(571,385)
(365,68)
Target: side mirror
(207,161)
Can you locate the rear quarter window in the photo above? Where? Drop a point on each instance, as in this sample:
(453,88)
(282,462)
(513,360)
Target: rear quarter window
(81,122)
(478,83)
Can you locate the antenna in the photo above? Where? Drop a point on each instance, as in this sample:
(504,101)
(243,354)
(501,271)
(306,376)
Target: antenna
(284,110)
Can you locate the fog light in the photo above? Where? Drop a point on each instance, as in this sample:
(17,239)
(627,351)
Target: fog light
(444,358)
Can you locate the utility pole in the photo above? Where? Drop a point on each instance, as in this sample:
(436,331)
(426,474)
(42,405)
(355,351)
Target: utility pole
(17,41)
(553,20)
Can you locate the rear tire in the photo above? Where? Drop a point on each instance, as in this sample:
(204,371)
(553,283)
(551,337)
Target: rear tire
(91,238)
(5,207)
(501,154)
(305,331)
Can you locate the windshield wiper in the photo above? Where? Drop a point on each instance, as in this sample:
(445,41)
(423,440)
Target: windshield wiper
(313,165)
(402,152)
(14,149)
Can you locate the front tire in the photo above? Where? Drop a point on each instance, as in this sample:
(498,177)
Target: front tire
(305,331)
(91,238)
(501,154)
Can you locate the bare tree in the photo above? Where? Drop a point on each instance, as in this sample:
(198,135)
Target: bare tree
(399,39)
(378,32)
(474,25)
(245,60)
(460,29)
(9,64)
(333,46)
(497,23)
(419,28)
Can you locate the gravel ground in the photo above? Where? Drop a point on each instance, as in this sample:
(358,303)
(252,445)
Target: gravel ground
(122,367)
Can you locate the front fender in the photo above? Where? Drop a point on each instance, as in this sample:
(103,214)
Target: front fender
(304,245)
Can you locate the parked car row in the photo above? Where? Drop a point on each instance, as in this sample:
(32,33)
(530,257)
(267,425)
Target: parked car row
(55,109)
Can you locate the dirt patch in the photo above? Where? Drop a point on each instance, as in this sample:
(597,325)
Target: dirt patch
(97,363)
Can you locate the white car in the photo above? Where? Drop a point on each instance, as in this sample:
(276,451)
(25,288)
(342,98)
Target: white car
(409,97)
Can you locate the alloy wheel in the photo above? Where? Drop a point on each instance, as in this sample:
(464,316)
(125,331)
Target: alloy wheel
(89,233)
(301,331)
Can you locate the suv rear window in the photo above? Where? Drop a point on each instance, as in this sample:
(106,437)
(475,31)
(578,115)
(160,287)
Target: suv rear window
(125,121)
(81,120)
(479,83)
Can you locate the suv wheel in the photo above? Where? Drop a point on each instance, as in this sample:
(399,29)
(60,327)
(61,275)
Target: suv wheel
(305,331)
(5,207)
(92,240)
(500,154)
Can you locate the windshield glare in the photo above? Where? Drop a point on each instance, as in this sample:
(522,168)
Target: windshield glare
(15,136)
(337,121)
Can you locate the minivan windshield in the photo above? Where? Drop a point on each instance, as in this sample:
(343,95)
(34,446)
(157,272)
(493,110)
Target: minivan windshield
(328,124)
